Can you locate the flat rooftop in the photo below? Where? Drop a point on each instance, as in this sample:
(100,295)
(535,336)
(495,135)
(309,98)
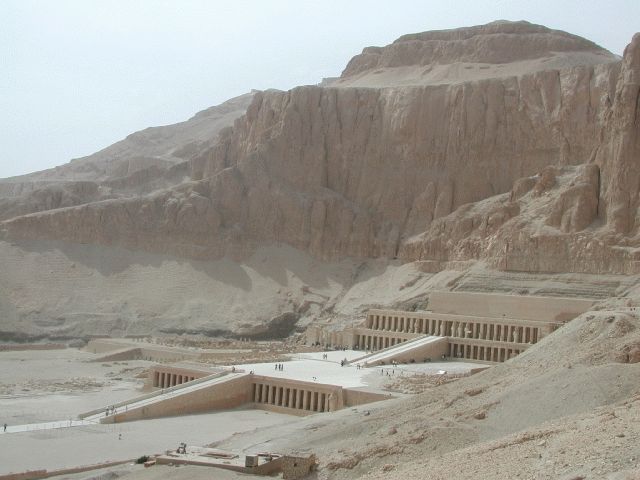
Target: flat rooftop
(311,367)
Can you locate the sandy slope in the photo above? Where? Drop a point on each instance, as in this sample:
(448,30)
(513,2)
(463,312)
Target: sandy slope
(70,290)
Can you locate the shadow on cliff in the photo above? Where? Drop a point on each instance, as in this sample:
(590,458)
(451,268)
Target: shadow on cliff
(280,263)
(110,261)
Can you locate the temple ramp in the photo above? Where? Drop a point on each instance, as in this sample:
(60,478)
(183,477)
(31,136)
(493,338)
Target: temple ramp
(419,350)
(216,392)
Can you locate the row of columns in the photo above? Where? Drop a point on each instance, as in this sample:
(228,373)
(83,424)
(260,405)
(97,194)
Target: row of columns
(289,397)
(166,380)
(449,328)
(376,342)
(482,352)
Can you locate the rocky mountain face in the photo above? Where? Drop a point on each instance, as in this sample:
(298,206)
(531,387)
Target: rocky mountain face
(507,143)
(349,171)
(152,159)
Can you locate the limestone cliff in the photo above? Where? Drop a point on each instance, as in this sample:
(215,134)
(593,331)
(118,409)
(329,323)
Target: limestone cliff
(580,220)
(619,153)
(366,172)
(507,143)
(152,159)
(347,171)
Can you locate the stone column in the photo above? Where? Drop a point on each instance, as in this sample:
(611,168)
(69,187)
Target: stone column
(272,394)
(305,399)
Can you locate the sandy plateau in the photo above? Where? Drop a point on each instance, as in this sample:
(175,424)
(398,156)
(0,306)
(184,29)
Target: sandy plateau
(168,275)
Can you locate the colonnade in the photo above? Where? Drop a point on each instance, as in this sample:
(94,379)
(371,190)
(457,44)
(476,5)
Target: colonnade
(482,330)
(167,379)
(482,352)
(292,397)
(376,342)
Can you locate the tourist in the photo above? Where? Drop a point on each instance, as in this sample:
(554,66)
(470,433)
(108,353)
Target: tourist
(276,366)
(5,427)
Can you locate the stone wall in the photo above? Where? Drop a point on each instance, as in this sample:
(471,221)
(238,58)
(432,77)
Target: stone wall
(545,309)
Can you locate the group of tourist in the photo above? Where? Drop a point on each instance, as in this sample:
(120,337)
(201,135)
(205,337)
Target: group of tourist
(110,411)
(280,367)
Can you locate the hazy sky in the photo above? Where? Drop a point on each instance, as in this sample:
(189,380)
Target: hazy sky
(78,75)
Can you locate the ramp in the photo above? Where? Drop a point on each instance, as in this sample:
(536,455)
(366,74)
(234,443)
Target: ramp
(417,350)
(218,391)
